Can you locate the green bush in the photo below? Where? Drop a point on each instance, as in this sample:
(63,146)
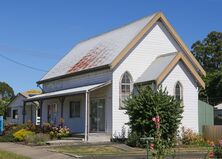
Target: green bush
(21,134)
(9,130)
(134,140)
(146,105)
(36,139)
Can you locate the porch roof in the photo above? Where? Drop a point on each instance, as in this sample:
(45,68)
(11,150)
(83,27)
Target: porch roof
(67,92)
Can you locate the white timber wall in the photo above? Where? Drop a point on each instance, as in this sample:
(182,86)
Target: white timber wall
(156,42)
(190,94)
(78,81)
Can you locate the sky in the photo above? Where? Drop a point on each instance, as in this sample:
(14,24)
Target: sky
(39,33)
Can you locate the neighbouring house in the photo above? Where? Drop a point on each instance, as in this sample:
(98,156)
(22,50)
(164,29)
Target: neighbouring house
(218,114)
(16,110)
(85,90)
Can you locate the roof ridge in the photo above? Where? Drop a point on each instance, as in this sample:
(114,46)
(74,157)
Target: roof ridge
(116,28)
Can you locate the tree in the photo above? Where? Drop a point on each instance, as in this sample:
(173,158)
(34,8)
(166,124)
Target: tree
(209,53)
(6,92)
(148,106)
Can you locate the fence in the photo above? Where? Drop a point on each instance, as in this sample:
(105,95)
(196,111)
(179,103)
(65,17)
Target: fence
(205,115)
(212,132)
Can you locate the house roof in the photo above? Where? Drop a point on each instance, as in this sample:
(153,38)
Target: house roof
(163,64)
(26,94)
(108,49)
(156,68)
(219,106)
(66,92)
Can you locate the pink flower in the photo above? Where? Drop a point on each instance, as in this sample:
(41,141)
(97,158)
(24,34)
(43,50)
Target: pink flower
(220,142)
(157,119)
(151,146)
(211,154)
(154,119)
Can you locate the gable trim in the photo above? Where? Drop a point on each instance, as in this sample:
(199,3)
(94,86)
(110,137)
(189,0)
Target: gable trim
(177,58)
(158,16)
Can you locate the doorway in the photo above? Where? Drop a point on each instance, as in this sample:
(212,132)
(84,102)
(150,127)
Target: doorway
(97,115)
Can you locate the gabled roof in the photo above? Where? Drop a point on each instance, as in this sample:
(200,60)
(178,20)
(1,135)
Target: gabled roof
(162,66)
(26,94)
(108,49)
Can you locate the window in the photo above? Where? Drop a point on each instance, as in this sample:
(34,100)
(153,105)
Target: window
(52,113)
(74,109)
(178,91)
(126,87)
(15,114)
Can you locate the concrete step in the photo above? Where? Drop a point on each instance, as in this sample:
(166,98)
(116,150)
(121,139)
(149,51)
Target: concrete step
(63,142)
(73,138)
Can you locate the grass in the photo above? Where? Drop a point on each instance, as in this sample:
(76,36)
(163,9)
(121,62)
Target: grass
(101,150)
(9,155)
(107,150)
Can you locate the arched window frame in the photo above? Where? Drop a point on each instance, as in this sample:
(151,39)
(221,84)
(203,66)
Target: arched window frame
(178,83)
(124,95)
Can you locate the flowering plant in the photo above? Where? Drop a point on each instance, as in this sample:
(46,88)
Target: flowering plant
(59,132)
(217,150)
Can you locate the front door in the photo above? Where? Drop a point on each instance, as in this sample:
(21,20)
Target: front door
(97,115)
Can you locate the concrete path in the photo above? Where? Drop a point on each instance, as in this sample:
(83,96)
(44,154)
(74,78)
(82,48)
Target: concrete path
(32,152)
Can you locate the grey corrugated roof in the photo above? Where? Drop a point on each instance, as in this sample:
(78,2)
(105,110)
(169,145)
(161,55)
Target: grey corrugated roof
(156,68)
(66,92)
(97,51)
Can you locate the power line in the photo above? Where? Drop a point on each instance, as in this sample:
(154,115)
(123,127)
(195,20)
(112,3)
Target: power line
(22,64)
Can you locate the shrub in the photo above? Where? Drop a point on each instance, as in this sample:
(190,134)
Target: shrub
(59,132)
(146,104)
(47,127)
(21,134)
(134,140)
(191,138)
(36,139)
(9,131)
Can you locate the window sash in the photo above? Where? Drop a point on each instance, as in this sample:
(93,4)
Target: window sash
(74,110)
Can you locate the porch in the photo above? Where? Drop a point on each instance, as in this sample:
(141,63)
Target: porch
(85,110)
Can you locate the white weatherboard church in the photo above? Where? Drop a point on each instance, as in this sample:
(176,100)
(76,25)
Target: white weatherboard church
(86,88)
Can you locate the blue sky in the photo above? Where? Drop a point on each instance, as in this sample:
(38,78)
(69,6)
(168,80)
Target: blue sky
(39,33)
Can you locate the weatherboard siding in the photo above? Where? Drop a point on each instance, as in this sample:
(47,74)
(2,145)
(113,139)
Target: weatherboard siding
(77,124)
(158,41)
(93,77)
(190,94)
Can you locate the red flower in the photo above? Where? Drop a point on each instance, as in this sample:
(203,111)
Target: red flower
(211,154)
(157,119)
(151,146)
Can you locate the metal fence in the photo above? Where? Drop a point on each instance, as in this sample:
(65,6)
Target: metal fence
(212,132)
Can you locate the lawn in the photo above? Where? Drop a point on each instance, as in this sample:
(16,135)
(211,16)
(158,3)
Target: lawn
(9,155)
(100,150)
(115,150)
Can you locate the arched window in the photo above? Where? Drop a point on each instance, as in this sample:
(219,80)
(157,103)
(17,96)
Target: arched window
(178,91)
(126,87)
